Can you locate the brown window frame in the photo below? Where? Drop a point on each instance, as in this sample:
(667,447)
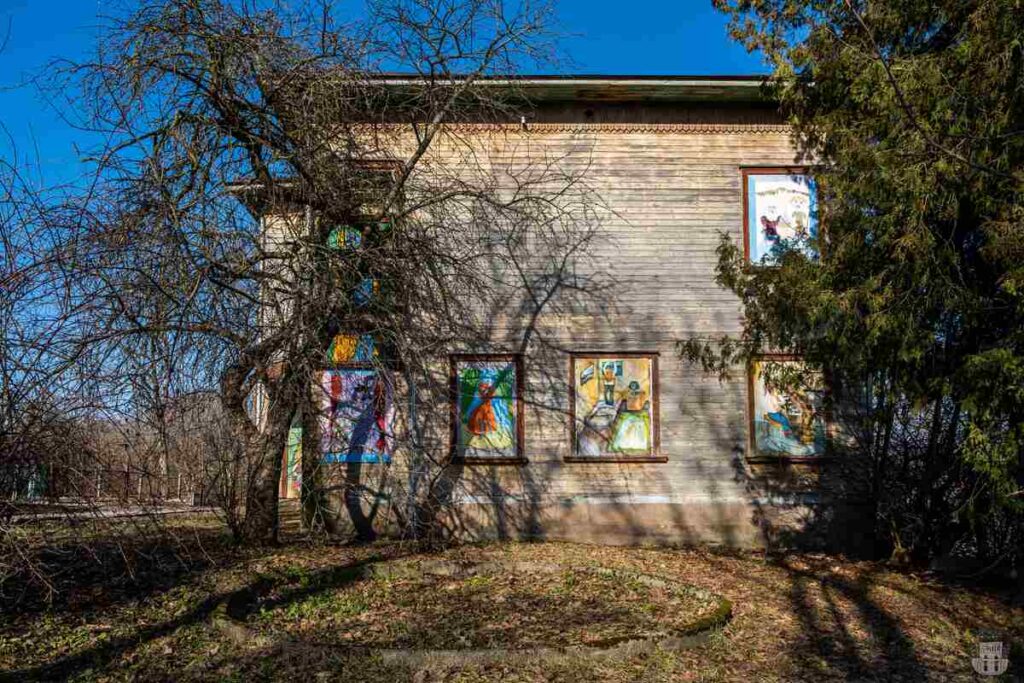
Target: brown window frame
(745,173)
(750,453)
(656,455)
(453,404)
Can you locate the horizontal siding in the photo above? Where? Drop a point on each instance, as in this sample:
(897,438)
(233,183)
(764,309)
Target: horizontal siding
(669,197)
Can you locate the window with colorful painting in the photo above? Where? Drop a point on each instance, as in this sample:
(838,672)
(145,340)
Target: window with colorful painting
(614,406)
(352,348)
(291,467)
(780,213)
(357,415)
(787,407)
(487,409)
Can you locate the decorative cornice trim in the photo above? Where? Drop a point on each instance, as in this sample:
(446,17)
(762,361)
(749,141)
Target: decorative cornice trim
(638,127)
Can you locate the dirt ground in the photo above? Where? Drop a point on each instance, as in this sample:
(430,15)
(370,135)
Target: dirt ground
(264,615)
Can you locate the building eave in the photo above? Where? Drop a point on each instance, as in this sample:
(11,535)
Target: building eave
(606,88)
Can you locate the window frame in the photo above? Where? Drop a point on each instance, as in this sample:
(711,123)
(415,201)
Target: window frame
(381,374)
(453,409)
(750,452)
(656,455)
(745,173)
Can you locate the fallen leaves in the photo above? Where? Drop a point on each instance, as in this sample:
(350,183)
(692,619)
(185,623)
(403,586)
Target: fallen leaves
(800,618)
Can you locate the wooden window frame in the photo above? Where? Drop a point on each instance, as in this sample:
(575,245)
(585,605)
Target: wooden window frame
(745,173)
(750,453)
(655,456)
(453,404)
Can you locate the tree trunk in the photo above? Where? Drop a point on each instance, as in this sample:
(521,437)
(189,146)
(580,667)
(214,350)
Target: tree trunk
(316,516)
(261,523)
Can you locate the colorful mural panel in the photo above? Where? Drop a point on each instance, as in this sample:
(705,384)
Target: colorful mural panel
(781,215)
(352,348)
(345,237)
(293,461)
(487,408)
(358,416)
(614,403)
(365,292)
(786,423)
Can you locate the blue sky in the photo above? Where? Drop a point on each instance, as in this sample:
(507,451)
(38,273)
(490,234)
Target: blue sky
(605,36)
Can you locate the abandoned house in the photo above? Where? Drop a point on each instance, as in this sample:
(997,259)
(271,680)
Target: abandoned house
(589,426)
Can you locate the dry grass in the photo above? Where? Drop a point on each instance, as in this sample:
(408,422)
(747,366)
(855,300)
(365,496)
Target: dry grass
(498,605)
(801,618)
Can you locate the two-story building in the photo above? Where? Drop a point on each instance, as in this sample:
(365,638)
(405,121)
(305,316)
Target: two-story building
(594,428)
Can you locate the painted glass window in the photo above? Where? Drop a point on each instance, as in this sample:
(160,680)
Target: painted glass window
(487,409)
(358,416)
(352,348)
(786,422)
(781,214)
(614,403)
(345,237)
(292,475)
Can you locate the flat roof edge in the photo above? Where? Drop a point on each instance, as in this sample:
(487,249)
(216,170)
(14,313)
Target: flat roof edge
(620,88)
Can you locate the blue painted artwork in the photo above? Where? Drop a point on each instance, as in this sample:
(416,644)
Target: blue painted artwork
(786,423)
(782,214)
(358,416)
(365,291)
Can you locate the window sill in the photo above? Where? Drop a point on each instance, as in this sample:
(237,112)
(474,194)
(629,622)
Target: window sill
(788,460)
(610,459)
(488,461)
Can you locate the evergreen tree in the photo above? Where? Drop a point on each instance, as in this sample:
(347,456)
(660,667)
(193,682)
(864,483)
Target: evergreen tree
(912,115)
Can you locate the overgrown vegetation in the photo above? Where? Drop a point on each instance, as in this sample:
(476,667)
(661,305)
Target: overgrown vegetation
(911,115)
(263,194)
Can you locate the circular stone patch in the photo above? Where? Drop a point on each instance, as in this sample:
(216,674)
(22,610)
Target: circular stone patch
(445,605)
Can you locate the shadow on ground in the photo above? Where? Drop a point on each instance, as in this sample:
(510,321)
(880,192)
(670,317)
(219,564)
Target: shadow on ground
(798,618)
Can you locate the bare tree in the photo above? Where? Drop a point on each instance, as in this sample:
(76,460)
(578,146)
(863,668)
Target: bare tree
(268,187)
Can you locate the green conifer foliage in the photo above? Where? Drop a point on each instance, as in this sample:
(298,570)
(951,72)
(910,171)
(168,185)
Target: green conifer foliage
(911,114)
